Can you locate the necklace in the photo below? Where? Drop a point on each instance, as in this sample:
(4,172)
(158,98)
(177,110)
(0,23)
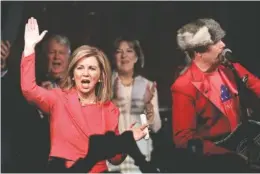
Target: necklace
(128,83)
(84,101)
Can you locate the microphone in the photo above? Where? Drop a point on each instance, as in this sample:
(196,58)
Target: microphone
(227,57)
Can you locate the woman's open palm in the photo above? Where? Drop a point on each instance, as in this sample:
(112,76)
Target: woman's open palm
(31,33)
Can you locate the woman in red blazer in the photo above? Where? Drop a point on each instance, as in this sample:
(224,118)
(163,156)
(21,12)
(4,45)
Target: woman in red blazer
(205,104)
(81,107)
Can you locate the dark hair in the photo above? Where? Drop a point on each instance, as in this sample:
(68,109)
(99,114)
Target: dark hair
(135,44)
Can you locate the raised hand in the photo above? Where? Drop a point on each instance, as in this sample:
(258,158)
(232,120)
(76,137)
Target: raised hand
(31,34)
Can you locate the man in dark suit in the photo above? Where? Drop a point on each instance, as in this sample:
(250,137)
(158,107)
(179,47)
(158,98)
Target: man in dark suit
(23,136)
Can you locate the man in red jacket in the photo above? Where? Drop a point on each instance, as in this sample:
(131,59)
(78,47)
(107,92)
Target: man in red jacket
(205,101)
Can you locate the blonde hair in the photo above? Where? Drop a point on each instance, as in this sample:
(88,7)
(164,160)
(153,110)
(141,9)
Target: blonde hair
(103,88)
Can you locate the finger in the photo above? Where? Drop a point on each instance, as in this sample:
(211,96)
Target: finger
(26,27)
(151,91)
(149,115)
(4,47)
(147,97)
(8,44)
(43,34)
(143,133)
(3,57)
(36,26)
(30,24)
(149,108)
(154,86)
(3,53)
(33,23)
(144,126)
(132,125)
(2,50)
(149,105)
(148,89)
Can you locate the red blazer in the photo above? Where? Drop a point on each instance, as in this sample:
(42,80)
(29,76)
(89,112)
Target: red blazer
(69,133)
(196,112)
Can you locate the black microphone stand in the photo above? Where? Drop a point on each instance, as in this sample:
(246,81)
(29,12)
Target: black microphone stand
(243,92)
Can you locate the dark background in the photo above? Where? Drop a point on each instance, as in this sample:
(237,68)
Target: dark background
(154,23)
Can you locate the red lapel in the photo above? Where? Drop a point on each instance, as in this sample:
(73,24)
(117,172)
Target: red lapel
(202,84)
(74,109)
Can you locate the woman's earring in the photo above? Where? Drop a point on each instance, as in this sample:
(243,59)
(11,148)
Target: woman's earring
(73,78)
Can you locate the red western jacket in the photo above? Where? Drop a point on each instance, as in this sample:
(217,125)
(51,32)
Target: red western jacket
(196,111)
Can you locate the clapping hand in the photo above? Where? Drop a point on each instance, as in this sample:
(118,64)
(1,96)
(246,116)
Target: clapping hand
(149,94)
(5,51)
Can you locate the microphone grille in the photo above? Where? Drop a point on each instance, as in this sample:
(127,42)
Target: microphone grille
(225,51)
(224,56)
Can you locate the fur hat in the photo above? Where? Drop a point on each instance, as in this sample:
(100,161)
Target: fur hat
(202,32)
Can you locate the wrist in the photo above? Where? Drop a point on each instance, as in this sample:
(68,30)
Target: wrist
(28,50)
